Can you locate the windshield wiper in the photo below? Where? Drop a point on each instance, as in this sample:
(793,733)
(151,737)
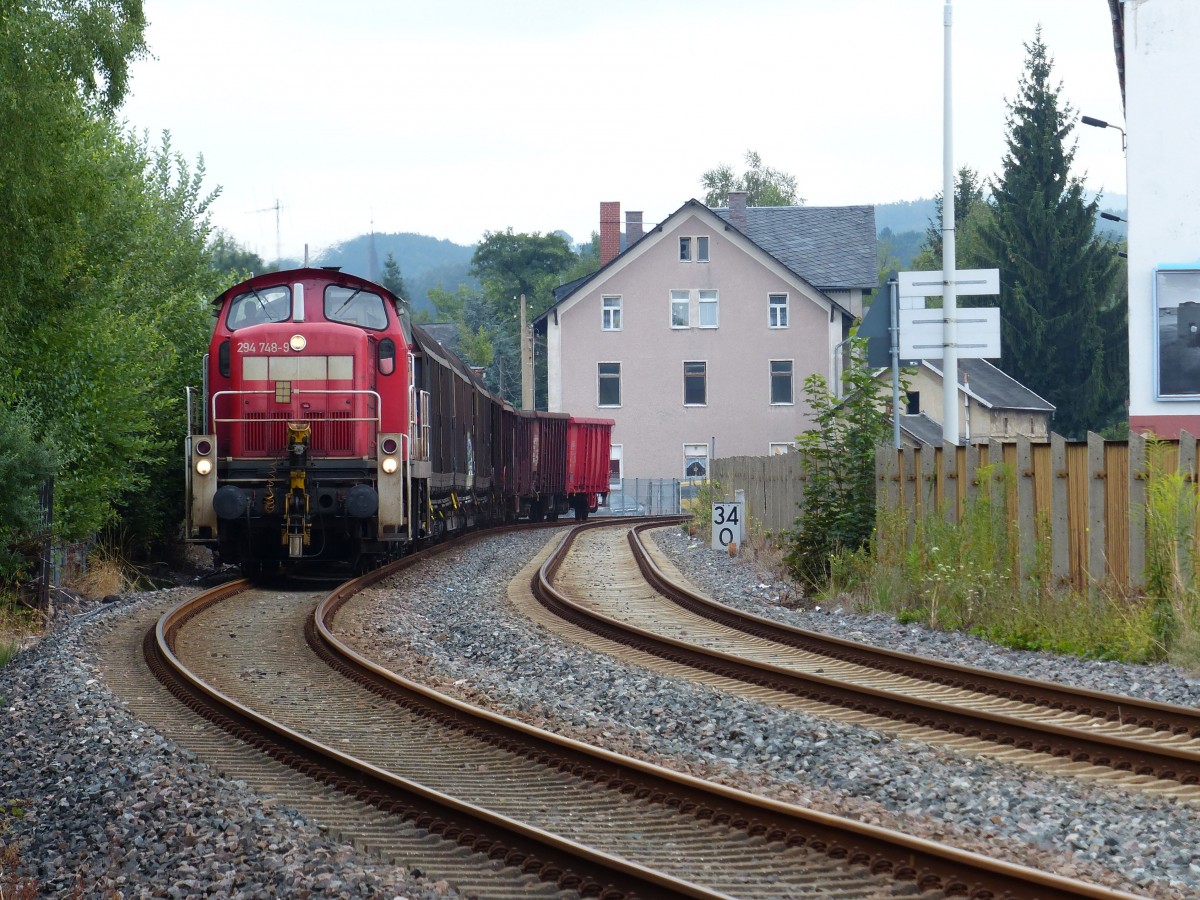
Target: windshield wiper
(346,302)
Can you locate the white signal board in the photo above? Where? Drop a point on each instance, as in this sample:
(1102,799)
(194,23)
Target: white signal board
(977,333)
(727,524)
(966,281)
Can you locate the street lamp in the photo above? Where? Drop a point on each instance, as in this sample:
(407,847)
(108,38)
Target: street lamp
(1100,123)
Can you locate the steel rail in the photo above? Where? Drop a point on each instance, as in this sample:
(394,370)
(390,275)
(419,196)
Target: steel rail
(1081,745)
(928,864)
(1166,717)
(550,856)
(1113,751)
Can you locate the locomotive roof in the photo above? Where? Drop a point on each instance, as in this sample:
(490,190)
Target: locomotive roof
(331,273)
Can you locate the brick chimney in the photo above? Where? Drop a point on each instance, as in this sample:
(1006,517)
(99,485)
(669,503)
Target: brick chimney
(633,228)
(610,231)
(737,209)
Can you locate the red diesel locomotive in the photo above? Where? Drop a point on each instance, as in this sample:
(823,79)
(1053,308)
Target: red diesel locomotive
(334,429)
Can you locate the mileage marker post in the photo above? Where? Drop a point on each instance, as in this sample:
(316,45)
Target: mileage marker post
(727,525)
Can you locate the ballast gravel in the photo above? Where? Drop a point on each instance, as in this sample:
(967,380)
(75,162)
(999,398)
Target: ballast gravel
(99,804)
(94,803)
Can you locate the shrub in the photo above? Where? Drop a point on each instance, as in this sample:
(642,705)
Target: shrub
(838,454)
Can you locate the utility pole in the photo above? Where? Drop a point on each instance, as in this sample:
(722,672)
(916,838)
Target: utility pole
(949,296)
(527,401)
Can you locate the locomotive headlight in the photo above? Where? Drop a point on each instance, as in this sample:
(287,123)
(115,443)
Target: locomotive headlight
(390,464)
(203,466)
(297,342)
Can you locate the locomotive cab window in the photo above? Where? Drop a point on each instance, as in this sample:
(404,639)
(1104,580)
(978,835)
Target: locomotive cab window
(257,307)
(355,306)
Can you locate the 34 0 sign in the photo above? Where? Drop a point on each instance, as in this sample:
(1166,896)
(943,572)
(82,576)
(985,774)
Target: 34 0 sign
(727,524)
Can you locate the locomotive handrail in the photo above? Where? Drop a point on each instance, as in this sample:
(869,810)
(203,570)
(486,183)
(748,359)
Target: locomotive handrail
(377,418)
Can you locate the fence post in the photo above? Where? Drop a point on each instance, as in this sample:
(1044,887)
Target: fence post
(1097,494)
(1060,535)
(1026,508)
(927,481)
(1137,511)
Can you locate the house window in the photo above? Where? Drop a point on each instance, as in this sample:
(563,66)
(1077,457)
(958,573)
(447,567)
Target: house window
(611,313)
(695,383)
(609,387)
(702,249)
(781,381)
(695,460)
(912,402)
(708,309)
(685,249)
(616,464)
(680,309)
(780,448)
(778,304)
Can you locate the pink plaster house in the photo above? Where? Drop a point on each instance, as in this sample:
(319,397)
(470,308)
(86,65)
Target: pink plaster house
(698,337)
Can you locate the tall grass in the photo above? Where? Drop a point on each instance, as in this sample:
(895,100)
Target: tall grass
(1172,514)
(970,576)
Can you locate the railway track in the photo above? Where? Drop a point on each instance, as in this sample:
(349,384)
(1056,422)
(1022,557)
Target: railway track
(612,584)
(583,819)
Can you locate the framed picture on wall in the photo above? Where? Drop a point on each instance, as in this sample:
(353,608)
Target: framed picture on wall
(1177,332)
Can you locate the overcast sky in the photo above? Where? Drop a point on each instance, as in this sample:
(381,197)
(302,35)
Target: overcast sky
(458,117)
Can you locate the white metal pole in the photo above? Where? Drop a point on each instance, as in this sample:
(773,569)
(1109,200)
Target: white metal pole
(949,298)
(894,333)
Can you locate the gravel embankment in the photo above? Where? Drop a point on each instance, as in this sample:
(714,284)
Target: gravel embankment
(463,635)
(109,805)
(100,805)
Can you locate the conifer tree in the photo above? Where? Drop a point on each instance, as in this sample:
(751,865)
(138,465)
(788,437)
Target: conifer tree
(1063,300)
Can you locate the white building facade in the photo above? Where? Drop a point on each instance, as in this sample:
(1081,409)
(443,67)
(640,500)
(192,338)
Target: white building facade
(1162,73)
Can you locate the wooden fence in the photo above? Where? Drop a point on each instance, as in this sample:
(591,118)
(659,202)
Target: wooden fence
(1079,506)
(774,487)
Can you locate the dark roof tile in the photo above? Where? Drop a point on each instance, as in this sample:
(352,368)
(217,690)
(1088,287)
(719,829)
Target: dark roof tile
(831,247)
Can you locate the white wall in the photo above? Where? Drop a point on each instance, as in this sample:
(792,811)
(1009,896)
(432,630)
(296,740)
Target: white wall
(1162,78)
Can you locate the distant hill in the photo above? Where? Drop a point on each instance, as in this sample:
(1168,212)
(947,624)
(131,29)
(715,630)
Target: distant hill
(901,226)
(428,262)
(905,215)
(425,262)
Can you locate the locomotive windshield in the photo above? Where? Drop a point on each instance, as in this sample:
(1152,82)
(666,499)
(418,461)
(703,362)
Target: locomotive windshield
(355,307)
(255,307)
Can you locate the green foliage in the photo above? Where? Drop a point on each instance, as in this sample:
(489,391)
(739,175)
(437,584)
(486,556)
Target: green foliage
(1063,300)
(1172,516)
(963,575)
(392,279)
(230,258)
(707,493)
(764,185)
(107,269)
(838,514)
(971,212)
(25,464)
(508,266)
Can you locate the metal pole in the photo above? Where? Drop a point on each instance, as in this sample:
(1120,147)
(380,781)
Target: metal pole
(949,298)
(894,300)
(526,346)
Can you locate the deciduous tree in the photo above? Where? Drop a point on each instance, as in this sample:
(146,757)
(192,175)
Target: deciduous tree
(764,185)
